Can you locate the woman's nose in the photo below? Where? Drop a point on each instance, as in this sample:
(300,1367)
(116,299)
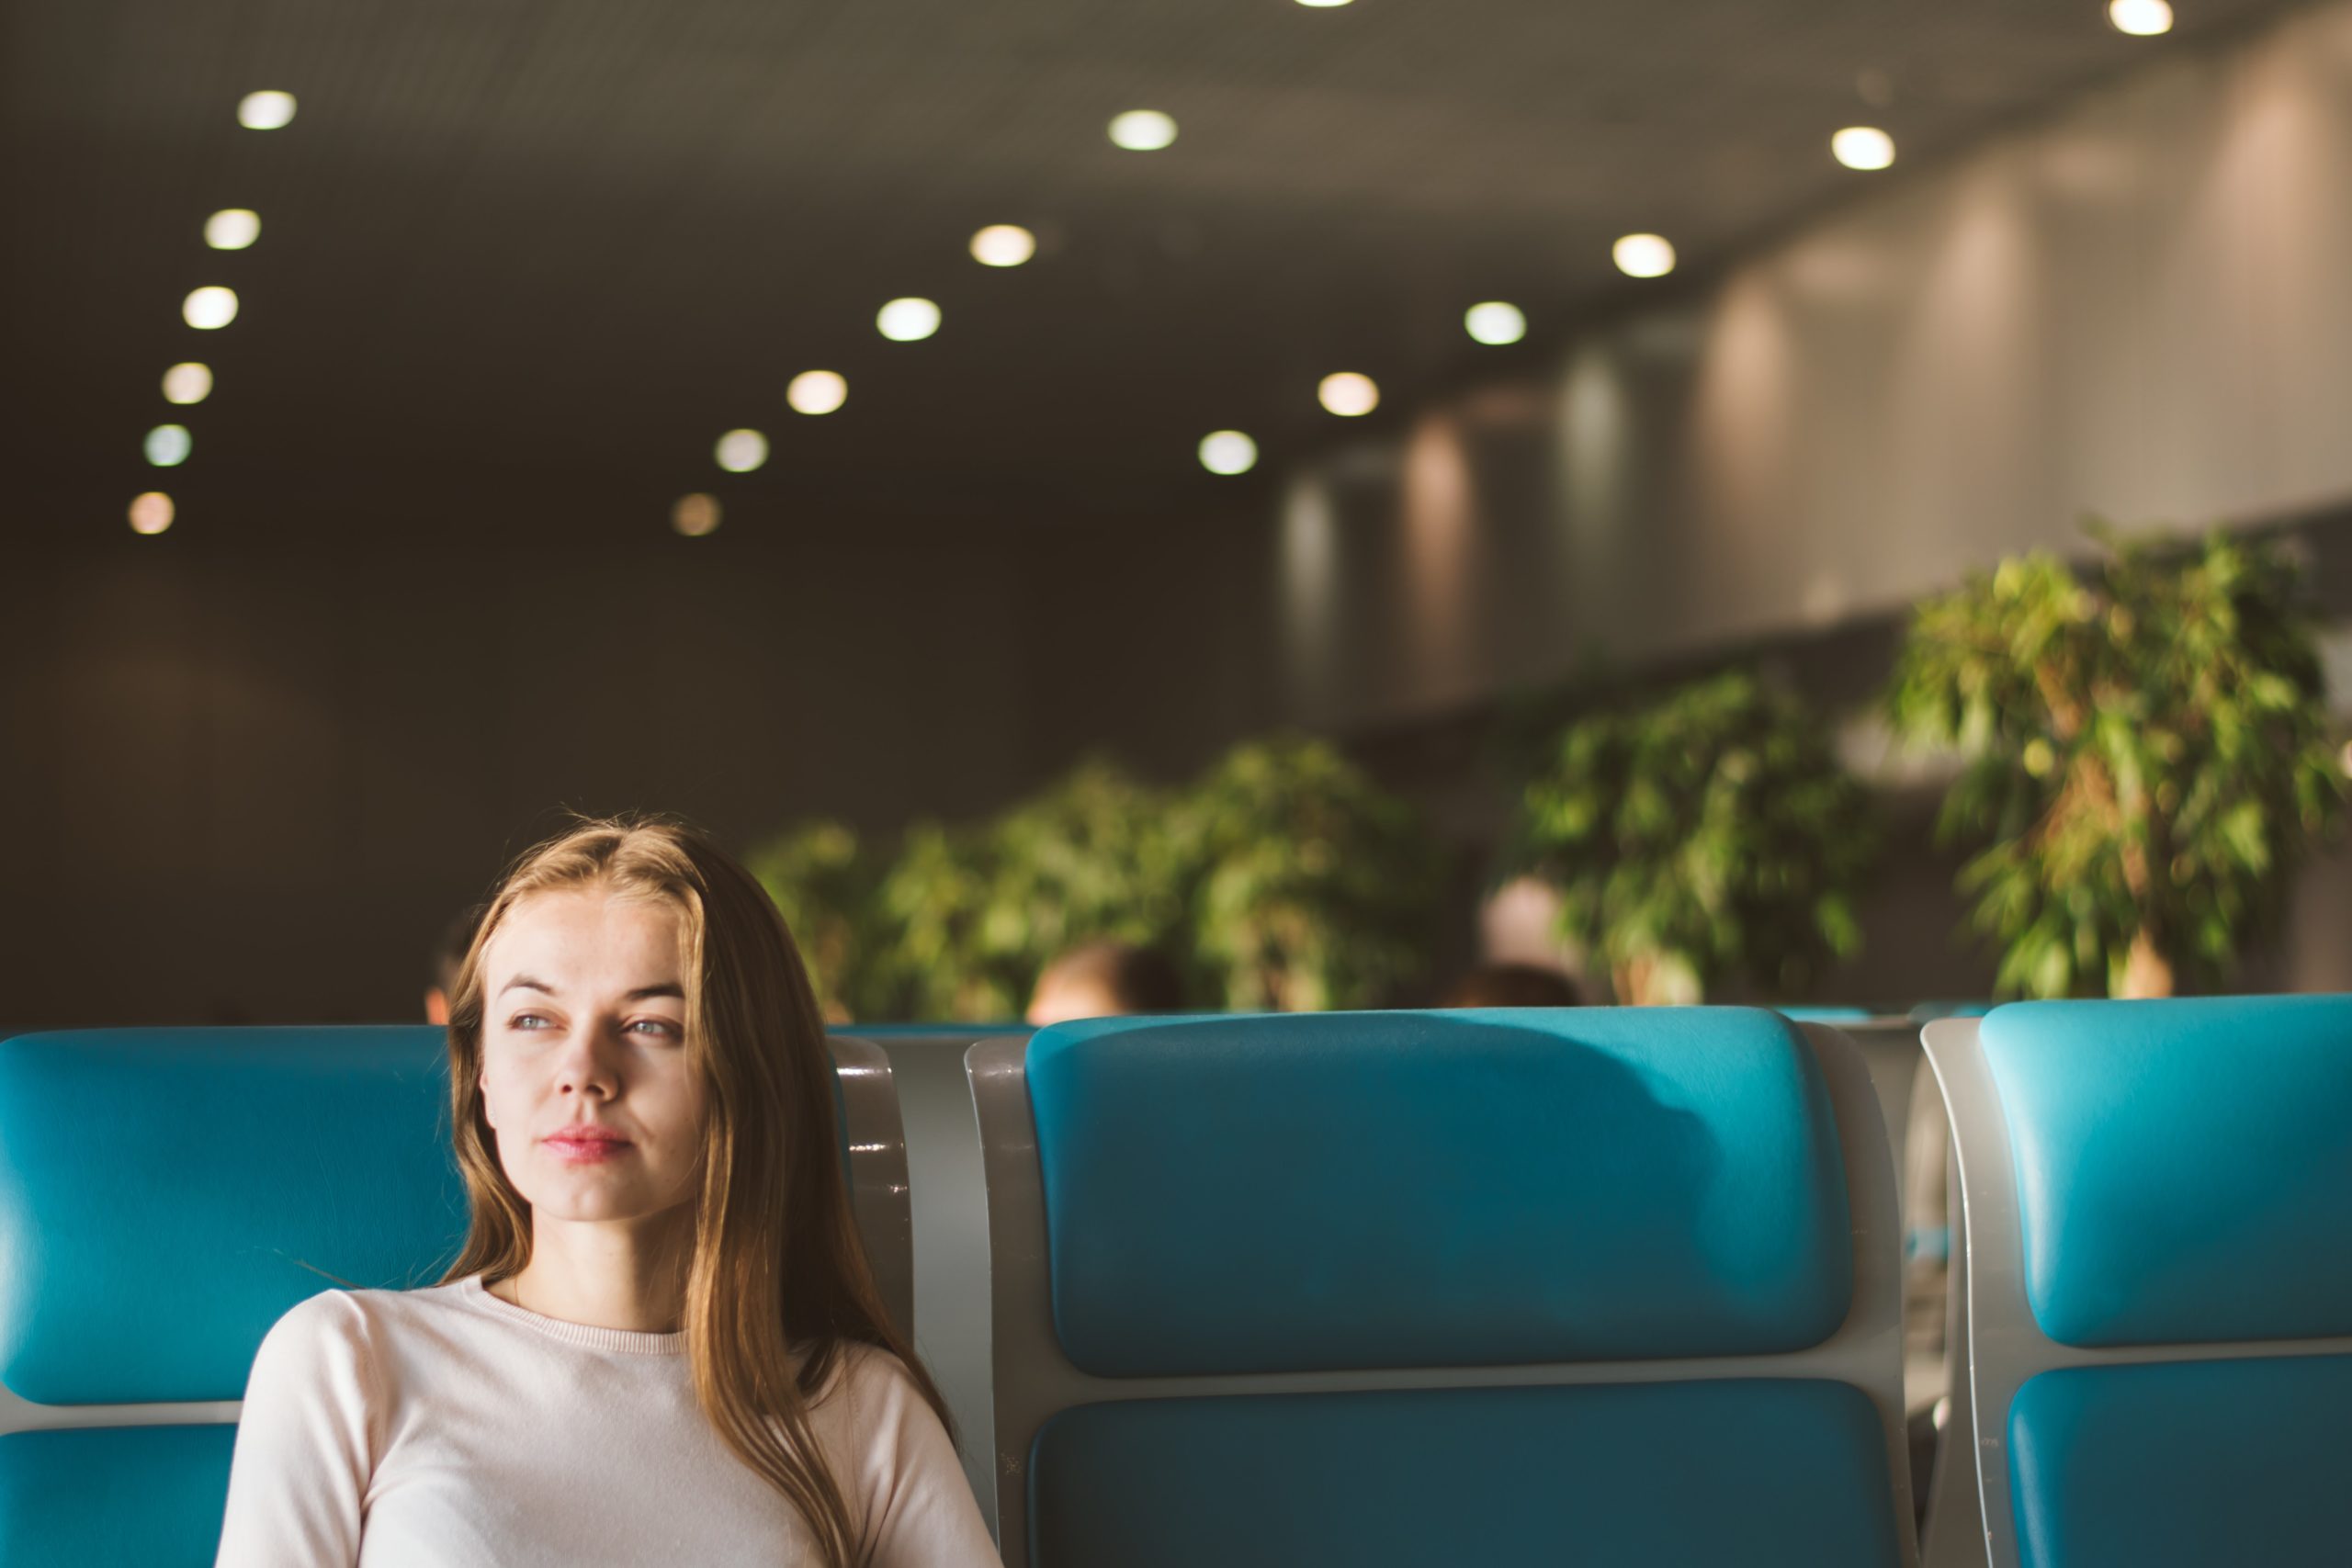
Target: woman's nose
(586,1065)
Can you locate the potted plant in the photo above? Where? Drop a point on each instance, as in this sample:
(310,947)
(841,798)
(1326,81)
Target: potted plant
(1705,835)
(1314,884)
(2146,756)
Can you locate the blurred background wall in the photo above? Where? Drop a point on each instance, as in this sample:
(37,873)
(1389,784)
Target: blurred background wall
(255,784)
(2132,308)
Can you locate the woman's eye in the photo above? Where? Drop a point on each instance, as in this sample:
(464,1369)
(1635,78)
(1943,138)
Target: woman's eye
(527,1020)
(661,1028)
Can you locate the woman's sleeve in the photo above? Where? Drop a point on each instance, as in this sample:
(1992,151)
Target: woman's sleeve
(920,1512)
(305,1442)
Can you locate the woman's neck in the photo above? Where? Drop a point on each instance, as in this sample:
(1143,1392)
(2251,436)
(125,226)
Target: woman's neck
(604,1275)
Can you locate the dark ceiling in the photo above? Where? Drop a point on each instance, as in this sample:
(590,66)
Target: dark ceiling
(528,258)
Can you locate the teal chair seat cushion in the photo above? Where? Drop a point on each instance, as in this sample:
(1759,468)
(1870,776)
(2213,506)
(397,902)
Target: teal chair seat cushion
(1763,1473)
(166,1194)
(2184,1169)
(2183,1464)
(149,1495)
(1440,1188)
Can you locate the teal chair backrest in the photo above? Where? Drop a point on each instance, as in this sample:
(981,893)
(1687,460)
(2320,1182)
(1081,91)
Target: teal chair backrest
(1600,1284)
(2157,1198)
(167,1193)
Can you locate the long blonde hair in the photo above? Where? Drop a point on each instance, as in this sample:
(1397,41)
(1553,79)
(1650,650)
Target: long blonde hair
(778,1285)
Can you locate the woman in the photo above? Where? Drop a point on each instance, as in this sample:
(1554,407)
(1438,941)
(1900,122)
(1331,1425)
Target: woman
(661,1343)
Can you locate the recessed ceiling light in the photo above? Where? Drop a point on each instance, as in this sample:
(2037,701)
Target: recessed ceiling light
(741,451)
(187,383)
(1229,451)
(167,446)
(696,514)
(907,320)
(817,391)
(2140,18)
(1863,147)
(1495,321)
(1003,244)
(1348,394)
(150,512)
(1322,5)
(206,308)
(1643,255)
(1143,130)
(266,111)
(232,229)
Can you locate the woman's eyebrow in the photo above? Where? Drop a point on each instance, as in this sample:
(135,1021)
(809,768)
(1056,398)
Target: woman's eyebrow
(526,983)
(667,989)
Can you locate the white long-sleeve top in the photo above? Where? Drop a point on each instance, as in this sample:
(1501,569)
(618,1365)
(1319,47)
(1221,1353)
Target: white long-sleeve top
(450,1429)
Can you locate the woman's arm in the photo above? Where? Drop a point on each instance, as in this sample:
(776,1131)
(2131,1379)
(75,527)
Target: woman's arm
(305,1442)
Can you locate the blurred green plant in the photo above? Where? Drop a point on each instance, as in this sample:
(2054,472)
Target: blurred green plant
(1099,854)
(1707,834)
(1284,879)
(2146,752)
(823,880)
(969,916)
(1315,886)
(933,903)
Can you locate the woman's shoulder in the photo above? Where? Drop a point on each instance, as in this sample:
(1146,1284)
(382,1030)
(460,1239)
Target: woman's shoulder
(871,1405)
(897,1462)
(352,1325)
(867,1375)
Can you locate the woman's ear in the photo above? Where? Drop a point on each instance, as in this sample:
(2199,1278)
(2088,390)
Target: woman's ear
(481,1083)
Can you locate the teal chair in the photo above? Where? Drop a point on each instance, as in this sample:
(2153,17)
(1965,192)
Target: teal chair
(2158,1199)
(167,1193)
(1604,1285)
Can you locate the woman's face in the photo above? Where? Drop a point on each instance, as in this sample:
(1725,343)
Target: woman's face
(584,1074)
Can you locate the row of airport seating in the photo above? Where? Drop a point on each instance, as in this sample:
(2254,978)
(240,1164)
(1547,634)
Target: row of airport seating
(1606,1286)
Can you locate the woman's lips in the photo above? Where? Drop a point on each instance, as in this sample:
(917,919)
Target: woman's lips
(574,1146)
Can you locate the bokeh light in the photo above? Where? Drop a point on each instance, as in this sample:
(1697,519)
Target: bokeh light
(232,229)
(2140,18)
(206,308)
(150,512)
(1143,130)
(741,451)
(1495,321)
(188,382)
(1003,244)
(1348,394)
(265,110)
(907,320)
(817,391)
(695,514)
(167,446)
(1229,452)
(1643,255)
(1863,147)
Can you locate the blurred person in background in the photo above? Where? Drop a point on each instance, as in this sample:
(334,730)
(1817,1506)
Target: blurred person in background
(1105,979)
(447,959)
(1513,986)
(662,1341)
